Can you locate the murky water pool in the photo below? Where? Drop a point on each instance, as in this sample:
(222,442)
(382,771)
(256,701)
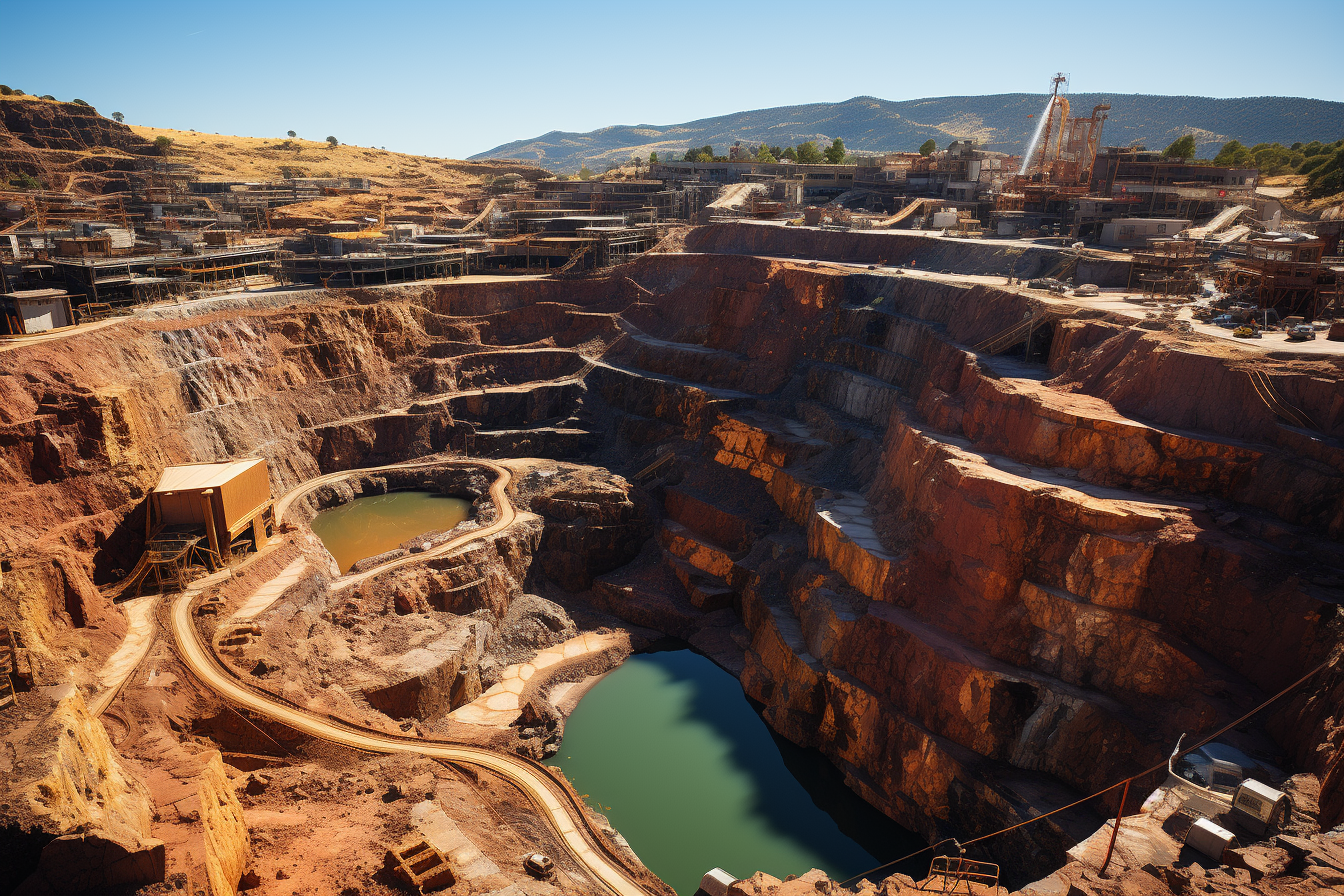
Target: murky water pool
(371,525)
(669,748)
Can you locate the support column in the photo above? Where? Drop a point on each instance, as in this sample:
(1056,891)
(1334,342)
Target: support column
(208,506)
(258,532)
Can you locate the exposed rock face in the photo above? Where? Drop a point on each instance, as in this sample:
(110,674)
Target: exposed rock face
(984,577)
(983,587)
(92,862)
(65,785)
(53,141)
(65,126)
(226,841)
(440,676)
(533,623)
(594,524)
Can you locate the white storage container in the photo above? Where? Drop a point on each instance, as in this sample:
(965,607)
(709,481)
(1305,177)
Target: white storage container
(944,218)
(1210,839)
(1258,807)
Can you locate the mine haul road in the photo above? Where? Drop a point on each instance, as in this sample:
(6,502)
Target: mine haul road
(556,804)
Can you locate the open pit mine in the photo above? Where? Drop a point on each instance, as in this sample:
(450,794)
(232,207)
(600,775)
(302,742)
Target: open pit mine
(988,553)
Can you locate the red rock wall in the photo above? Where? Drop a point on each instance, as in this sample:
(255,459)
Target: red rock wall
(985,593)
(47,125)
(1048,576)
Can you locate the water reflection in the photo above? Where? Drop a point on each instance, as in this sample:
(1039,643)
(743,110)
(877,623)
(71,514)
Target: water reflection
(671,750)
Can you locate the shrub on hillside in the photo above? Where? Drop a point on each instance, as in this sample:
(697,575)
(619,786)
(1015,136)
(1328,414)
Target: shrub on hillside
(1327,178)
(1315,159)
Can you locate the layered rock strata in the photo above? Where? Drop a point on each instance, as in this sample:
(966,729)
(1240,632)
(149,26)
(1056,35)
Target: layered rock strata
(983,587)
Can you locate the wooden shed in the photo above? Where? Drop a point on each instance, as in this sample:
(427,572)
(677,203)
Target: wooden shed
(226,499)
(29,311)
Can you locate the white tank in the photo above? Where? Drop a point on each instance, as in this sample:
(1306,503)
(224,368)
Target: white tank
(1210,839)
(716,882)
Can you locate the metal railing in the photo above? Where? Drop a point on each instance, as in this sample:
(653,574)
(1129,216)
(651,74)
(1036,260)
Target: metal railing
(948,873)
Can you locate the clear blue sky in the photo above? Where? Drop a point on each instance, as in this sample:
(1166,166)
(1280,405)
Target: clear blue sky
(452,79)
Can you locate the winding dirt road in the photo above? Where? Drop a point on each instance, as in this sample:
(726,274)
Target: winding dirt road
(555,803)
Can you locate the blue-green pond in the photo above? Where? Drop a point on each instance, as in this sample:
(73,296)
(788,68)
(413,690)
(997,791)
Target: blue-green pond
(670,749)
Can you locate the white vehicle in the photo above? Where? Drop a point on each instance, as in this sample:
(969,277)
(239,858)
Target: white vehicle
(538,865)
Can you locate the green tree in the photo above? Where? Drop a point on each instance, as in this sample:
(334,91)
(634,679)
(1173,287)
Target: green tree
(927,147)
(79,102)
(585,173)
(653,158)
(1272,158)
(1181,148)
(163,144)
(25,181)
(333,142)
(291,134)
(764,155)
(808,154)
(789,153)
(1233,155)
(6,90)
(835,153)
(118,117)
(1311,164)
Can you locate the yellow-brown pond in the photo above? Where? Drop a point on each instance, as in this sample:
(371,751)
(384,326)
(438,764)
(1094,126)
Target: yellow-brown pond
(369,526)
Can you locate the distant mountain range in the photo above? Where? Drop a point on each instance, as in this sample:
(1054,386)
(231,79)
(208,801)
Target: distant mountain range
(1002,122)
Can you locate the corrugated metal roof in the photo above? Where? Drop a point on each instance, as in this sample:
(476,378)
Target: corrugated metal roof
(194,477)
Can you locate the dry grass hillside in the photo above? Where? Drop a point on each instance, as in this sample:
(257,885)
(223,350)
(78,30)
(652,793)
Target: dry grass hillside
(1301,206)
(407,187)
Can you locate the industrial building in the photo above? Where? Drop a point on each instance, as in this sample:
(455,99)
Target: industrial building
(200,516)
(29,311)
(227,501)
